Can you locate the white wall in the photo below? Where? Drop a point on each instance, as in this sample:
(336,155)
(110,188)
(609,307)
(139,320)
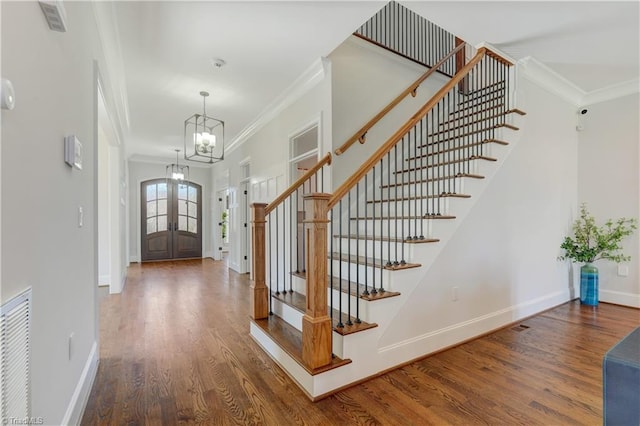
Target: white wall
(365,79)
(502,259)
(268,153)
(609,182)
(140,172)
(55,81)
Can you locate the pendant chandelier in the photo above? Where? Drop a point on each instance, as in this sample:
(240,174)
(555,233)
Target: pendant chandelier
(176,171)
(203,136)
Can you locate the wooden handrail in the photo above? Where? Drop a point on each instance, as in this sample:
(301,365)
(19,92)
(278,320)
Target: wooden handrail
(360,134)
(393,140)
(275,203)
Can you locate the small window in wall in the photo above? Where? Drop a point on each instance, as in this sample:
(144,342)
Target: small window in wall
(304,152)
(305,143)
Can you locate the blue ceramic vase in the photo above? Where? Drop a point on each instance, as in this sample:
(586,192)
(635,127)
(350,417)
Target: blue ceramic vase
(589,285)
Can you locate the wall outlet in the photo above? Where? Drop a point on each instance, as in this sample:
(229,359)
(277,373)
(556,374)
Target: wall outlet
(623,270)
(454,294)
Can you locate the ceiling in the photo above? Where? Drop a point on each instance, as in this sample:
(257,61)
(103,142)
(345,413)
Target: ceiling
(166,49)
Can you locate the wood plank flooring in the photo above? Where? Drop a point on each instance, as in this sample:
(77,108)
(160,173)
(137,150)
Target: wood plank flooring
(175,349)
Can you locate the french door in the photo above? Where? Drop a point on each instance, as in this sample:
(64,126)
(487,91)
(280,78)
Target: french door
(171,219)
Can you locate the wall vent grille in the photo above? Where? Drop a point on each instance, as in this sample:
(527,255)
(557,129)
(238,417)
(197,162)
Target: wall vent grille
(15,334)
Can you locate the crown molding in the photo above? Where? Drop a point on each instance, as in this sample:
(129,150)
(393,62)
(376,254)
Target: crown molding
(614,91)
(305,82)
(537,72)
(150,159)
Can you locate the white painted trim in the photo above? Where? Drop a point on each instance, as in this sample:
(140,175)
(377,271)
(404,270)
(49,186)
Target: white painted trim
(134,259)
(310,78)
(476,326)
(620,298)
(149,159)
(207,254)
(80,396)
(102,279)
(539,73)
(612,92)
(283,359)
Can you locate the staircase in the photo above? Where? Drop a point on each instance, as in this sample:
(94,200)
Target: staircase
(332,270)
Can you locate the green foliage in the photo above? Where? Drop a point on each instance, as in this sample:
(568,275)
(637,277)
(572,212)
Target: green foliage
(224,224)
(591,243)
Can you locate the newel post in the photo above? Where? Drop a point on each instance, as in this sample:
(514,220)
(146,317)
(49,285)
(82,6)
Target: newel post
(316,324)
(259,290)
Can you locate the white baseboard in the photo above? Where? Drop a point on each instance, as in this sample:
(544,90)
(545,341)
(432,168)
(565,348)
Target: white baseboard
(133,259)
(620,298)
(456,333)
(80,396)
(104,279)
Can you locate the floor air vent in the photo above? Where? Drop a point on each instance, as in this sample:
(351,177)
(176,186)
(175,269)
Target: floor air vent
(15,322)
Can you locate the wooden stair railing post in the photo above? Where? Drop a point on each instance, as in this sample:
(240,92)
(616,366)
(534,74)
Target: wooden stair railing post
(259,289)
(463,86)
(316,324)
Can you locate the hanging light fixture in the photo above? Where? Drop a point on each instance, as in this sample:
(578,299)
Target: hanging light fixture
(203,136)
(176,171)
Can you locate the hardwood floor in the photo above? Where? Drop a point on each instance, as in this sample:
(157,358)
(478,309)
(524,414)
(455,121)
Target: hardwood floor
(175,349)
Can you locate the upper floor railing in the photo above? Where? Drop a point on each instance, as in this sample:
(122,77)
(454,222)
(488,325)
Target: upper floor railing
(408,34)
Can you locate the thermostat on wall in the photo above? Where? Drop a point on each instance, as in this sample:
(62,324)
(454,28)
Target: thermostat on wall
(73,152)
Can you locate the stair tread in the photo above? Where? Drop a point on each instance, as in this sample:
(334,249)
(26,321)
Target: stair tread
(387,239)
(472,132)
(490,86)
(427,180)
(473,122)
(458,148)
(376,263)
(361,288)
(298,301)
(424,197)
(517,111)
(459,160)
(469,104)
(484,91)
(426,216)
(289,339)
(495,106)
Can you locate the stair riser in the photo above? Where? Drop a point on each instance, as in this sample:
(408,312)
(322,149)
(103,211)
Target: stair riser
(287,313)
(455,151)
(412,207)
(421,189)
(349,302)
(379,249)
(443,170)
(381,227)
(444,145)
(361,274)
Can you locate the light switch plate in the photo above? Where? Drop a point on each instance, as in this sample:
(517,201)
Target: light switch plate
(623,270)
(73,152)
